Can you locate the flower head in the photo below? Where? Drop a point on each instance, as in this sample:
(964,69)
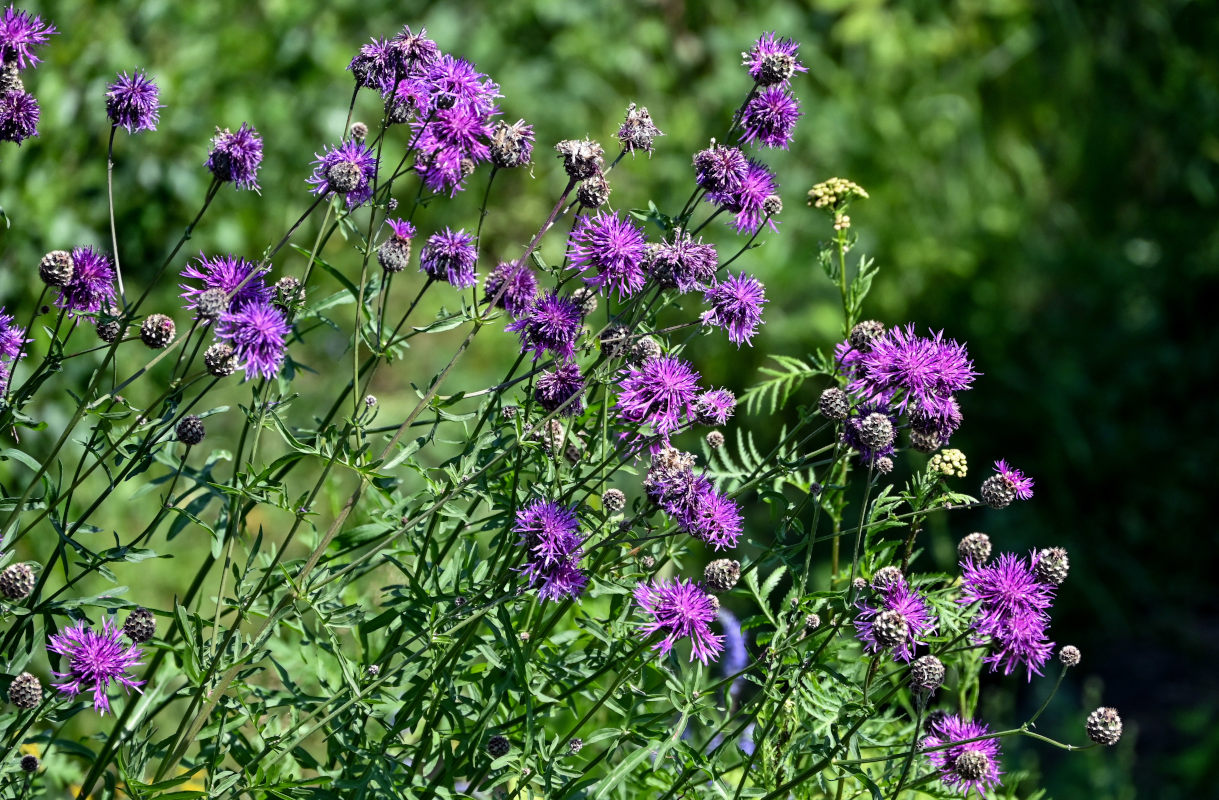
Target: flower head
(376,65)
(551,535)
(511,144)
(898,619)
(659,392)
(712,517)
(714,406)
(1021,484)
(18,116)
(415,50)
(347,170)
(12,338)
(552,323)
(925,371)
(258,333)
(747,199)
(736,306)
(95,659)
(772,60)
(638,131)
(613,246)
(867,433)
(964,767)
(770,117)
(1013,611)
(92,282)
(555,388)
(20,33)
(681,610)
(236,156)
(682,262)
(240,280)
(131,102)
(457,81)
(449,256)
(720,168)
(512,286)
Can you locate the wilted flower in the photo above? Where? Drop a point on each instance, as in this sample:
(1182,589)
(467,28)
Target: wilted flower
(681,610)
(95,659)
(637,130)
(511,144)
(395,252)
(236,156)
(376,65)
(131,102)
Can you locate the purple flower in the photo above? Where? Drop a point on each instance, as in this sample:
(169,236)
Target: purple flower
(714,406)
(258,333)
(226,273)
(897,621)
(12,338)
(18,116)
(613,246)
(462,129)
(1013,606)
(408,96)
(376,65)
(720,169)
(746,200)
(965,767)
(444,169)
(402,229)
(712,517)
(770,117)
(456,80)
(449,256)
(941,420)
(19,34)
(924,371)
(773,60)
(131,102)
(551,535)
(94,661)
(92,282)
(552,323)
(554,388)
(236,156)
(1021,484)
(348,169)
(682,262)
(415,50)
(736,306)
(658,393)
(512,286)
(681,610)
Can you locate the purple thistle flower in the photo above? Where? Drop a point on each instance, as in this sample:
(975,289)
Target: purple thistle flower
(682,262)
(518,284)
(773,60)
(92,282)
(770,117)
(747,199)
(1020,639)
(444,169)
(12,338)
(714,406)
(376,65)
(712,517)
(736,306)
(415,50)
(225,273)
(347,170)
(94,661)
(612,245)
(550,533)
(19,34)
(449,256)
(1013,610)
(401,228)
(456,80)
(720,168)
(236,156)
(658,392)
(18,116)
(552,323)
(682,610)
(966,767)
(1021,484)
(258,333)
(407,97)
(898,620)
(925,371)
(554,388)
(131,102)
(463,129)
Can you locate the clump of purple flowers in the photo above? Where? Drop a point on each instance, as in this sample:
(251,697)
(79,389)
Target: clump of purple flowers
(917,372)
(681,610)
(20,33)
(614,247)
(258,333)
(132,102)
(552,323)
(692,500)
(969,767)
(92,282)
(895,619)
(240,280)
(736,306)
(551,535)
(348,169)
(236,156)
(512,286)
(449,256)
(659,392)
(1013,611)
(95,660)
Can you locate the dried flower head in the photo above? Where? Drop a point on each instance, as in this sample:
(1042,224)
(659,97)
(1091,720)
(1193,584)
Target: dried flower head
(926,673)
(637,131)
(219,360)
(1051,565)
(714,439)
(511,144)
(190,430)
(140,626)
(834,404)
(582,158)
(157,331)
(95,660)
(17,581)
(974,547)
(613,501)
(1104,726)
(1069,655)
(25,691)
(722,574)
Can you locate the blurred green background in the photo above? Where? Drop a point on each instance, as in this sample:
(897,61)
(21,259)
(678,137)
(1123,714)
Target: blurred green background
(1044,185)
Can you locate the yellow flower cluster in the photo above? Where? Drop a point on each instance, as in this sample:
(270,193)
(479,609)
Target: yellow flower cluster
(834,193)
(950,462)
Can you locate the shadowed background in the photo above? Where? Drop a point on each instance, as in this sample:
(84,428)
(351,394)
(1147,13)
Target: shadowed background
(1043,184)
